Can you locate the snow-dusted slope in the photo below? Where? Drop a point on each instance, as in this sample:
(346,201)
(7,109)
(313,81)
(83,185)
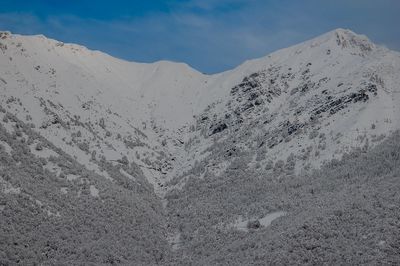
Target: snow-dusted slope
(82,135)
(88,103)
(299,107)
(312,101)
(72,71)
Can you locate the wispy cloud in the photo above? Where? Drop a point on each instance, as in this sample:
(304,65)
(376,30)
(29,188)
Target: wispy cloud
(210,5)
(214,35)
(20,22)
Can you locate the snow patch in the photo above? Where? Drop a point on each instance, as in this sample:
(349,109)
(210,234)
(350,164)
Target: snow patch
(175,241)
(72,177)
(243,225)
(94,192)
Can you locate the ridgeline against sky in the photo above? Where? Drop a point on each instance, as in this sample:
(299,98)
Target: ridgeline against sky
(209,35)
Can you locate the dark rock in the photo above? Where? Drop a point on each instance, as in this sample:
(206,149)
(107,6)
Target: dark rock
(218,128)
(258,102)
(253,224)
(253,95)
(247,106)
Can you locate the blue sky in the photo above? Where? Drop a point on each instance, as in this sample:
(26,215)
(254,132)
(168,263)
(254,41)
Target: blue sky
(209,35)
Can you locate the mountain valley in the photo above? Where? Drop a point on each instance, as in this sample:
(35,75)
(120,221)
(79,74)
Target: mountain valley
(292,158)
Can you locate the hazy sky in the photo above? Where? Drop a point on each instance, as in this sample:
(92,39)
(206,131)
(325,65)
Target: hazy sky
(209,35)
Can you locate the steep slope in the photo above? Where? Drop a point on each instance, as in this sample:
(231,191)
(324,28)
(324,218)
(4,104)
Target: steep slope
(94,106)
(187,159)
(283,116)
(299,107)
(54,211)
(163,116)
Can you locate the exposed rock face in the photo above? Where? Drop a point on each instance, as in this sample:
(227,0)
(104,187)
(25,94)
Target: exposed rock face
(104,161)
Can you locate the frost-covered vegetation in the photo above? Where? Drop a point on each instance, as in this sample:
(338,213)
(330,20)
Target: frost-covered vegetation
(56,212)
(346,213)
(112,162)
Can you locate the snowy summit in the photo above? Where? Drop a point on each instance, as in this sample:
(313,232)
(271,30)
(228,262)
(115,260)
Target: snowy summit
(292,158)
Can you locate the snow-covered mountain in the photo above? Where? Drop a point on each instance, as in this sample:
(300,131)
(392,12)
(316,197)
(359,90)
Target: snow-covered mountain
(136,127)
(302,105)
(316,100)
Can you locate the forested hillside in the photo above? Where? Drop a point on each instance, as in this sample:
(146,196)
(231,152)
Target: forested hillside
(288,159)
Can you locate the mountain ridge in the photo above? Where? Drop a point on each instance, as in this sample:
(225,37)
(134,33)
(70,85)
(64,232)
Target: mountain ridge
(190,159)
(346,35)
(151,91)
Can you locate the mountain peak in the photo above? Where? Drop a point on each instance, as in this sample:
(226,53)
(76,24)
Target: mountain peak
(345,38)
(83,134)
